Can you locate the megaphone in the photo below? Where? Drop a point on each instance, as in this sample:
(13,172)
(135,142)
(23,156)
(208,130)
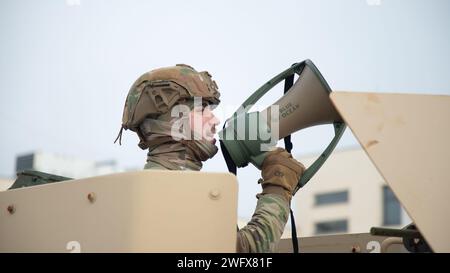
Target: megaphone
(244,138)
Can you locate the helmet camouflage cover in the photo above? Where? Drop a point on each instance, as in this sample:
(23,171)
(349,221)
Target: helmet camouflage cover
(157,91)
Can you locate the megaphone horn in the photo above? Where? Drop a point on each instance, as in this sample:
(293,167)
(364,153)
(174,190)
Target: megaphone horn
(307,103)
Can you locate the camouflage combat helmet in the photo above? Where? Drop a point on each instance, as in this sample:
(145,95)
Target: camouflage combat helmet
(156,92)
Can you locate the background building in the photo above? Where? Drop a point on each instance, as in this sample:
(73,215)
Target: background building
(64,165)
(347,195)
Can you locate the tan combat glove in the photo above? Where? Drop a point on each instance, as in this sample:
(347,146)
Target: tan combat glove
(280,173)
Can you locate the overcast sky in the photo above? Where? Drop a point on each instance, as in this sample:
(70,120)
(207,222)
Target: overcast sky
(66,65)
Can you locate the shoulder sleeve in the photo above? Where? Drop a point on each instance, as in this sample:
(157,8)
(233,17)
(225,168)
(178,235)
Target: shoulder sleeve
(264,230)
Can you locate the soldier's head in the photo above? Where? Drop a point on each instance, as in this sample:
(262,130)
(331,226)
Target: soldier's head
(170,109)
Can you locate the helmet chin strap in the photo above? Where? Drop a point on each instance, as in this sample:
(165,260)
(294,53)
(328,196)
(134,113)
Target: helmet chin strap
(183,155)
(171,153)
(202,150)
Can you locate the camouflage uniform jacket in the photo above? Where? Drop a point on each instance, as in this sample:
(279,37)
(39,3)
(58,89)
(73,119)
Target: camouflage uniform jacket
(263,232)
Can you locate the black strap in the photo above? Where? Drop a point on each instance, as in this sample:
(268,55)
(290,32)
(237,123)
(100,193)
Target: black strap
(294,233)
(288,83)
(230,163)
(119,136)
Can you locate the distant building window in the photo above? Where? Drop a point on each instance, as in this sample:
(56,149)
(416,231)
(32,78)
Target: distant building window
(24,162)
(391,208)
(338,226)
(331,198)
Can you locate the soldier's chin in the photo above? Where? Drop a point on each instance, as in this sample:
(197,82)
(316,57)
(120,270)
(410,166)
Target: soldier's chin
(210,140)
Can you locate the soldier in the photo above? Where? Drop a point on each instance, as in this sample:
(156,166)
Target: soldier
(175,145)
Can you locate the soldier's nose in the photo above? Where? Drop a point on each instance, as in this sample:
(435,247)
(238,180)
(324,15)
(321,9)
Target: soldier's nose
(215,120)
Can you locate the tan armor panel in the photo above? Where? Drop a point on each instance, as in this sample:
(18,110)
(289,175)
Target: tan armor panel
(142,211)
(407,137)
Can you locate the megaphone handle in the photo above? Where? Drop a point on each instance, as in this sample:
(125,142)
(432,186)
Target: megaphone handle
(339,128)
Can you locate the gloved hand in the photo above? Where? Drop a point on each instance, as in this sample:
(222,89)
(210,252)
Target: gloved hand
(280,173)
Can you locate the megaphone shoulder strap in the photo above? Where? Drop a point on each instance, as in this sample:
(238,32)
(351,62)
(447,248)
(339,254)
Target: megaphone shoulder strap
(288,83)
